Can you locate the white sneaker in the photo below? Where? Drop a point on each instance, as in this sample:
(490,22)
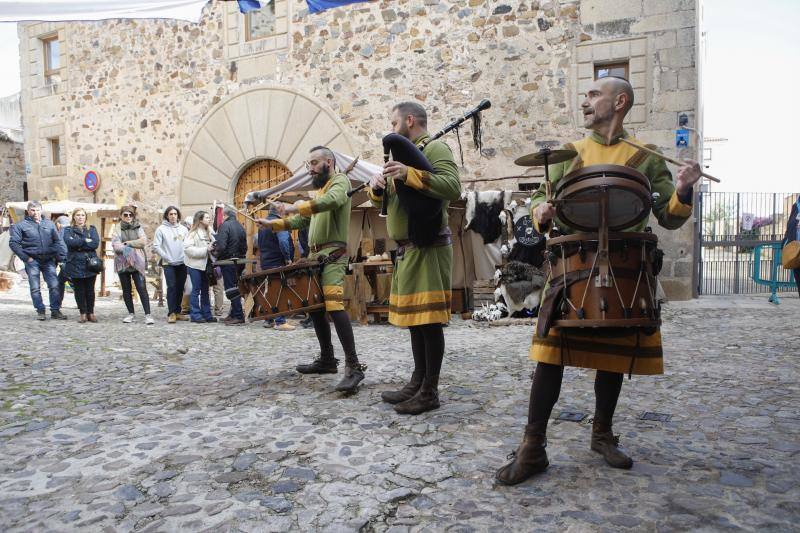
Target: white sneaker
(128,319)
(149,320)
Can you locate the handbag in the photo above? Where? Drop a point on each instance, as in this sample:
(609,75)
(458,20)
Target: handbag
(94,264)
(790,255)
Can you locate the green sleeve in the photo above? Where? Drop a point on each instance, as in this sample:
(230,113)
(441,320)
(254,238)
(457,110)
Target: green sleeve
(669,211)
(443,183)
(333,198)
(297,222)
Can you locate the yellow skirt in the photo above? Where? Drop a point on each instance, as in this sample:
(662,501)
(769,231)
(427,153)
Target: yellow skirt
(610,350)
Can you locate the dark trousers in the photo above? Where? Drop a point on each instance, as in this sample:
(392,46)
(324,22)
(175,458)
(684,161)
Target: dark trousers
(230,278)
(127,280)
(797,279)
(546,388)
(47,268)
(176,279)
(84,294)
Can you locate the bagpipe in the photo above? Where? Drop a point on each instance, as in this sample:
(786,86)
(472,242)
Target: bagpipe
(424,212)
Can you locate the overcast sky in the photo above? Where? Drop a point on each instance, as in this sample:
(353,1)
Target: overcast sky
(751,74)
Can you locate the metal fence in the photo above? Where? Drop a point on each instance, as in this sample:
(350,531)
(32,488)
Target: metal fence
(730,226)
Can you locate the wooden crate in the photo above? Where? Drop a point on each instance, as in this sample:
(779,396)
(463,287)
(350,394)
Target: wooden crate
(482,292)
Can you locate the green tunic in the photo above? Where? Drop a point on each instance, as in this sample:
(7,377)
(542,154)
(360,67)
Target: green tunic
(328,218)
(422,276)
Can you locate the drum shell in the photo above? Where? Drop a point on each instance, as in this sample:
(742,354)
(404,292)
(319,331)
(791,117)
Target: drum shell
(640,309)
(628,190)
(284,291)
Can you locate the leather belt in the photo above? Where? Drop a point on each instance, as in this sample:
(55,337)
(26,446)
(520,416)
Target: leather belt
(405,245)
(333,244)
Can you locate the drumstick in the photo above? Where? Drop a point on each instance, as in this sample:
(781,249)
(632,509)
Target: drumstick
(665,157)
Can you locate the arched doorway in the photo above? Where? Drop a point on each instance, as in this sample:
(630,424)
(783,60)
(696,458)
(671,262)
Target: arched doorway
(258,176)
(247,128)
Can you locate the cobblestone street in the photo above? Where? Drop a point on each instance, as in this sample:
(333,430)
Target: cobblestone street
(123,427)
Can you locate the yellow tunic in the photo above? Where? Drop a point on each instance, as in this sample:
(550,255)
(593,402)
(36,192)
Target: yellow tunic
(618,350)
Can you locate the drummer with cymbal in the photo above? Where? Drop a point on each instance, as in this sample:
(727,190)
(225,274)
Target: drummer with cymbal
(613,354)
(328,218)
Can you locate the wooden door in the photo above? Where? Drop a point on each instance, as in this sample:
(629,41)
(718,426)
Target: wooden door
(257,177)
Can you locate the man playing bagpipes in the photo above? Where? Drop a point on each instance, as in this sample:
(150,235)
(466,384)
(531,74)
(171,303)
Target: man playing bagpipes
(618,351)
(414,192)
(328,218)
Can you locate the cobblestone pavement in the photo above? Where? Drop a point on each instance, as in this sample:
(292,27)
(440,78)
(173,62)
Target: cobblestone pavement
(116,427)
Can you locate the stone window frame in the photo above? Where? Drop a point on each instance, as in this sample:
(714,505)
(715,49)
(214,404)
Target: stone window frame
(637,52)
(236,35)
(54,150)
(37,34)
(49,168)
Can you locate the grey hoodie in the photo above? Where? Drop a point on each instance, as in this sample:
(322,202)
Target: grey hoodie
(168,242)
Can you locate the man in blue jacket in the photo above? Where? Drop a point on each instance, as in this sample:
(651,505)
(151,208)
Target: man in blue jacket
(275,249)
(38,244)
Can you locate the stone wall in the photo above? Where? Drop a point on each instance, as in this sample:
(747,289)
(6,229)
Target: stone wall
(133,93)
(12,170)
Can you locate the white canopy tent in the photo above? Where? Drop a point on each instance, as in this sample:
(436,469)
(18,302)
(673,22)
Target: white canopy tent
(58,10)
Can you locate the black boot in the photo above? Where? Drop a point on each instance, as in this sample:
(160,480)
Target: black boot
(426,398)
(353,375)
(324,364)
(407,392)
(58,315)
(606,443)
(529,459)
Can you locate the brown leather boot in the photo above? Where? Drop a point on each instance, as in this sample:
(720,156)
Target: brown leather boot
(606,443)
(92,318)
(407,392)
(426,398)
(82,319)
(353,375)
(529,459)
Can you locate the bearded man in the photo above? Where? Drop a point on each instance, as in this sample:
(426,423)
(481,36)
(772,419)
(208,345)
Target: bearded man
(327,218)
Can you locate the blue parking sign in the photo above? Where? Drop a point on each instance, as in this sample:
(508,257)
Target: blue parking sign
(681,138)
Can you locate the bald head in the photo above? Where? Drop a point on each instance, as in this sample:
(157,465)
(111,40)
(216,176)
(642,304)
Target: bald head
(607,102)
(619,86)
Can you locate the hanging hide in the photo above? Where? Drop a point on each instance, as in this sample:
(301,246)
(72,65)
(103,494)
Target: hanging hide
(486,218)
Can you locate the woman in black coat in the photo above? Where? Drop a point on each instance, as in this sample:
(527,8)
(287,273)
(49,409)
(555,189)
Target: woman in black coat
(82,241)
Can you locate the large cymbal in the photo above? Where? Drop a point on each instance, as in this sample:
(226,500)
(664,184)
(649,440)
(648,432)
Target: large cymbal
(537,159)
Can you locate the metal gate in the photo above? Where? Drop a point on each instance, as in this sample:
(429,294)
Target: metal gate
(731,224)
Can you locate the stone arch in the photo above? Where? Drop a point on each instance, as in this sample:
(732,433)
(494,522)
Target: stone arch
(263,122)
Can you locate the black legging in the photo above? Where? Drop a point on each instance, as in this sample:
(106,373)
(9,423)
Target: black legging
(127,290)
(84,294)
(427,346)
(344,330)
(797,279)
(547,386)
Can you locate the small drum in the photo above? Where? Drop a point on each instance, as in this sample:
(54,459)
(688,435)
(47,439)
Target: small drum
(577,197)
(581,300)
(283,291)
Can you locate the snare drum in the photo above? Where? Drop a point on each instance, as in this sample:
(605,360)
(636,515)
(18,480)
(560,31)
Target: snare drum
(577,197)
(282,291)
(581,301)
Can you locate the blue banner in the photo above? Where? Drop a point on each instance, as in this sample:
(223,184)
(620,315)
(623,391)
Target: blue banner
(315,6)
(246,6)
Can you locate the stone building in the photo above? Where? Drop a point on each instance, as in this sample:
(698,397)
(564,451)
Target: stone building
(171,112)
(12,156)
